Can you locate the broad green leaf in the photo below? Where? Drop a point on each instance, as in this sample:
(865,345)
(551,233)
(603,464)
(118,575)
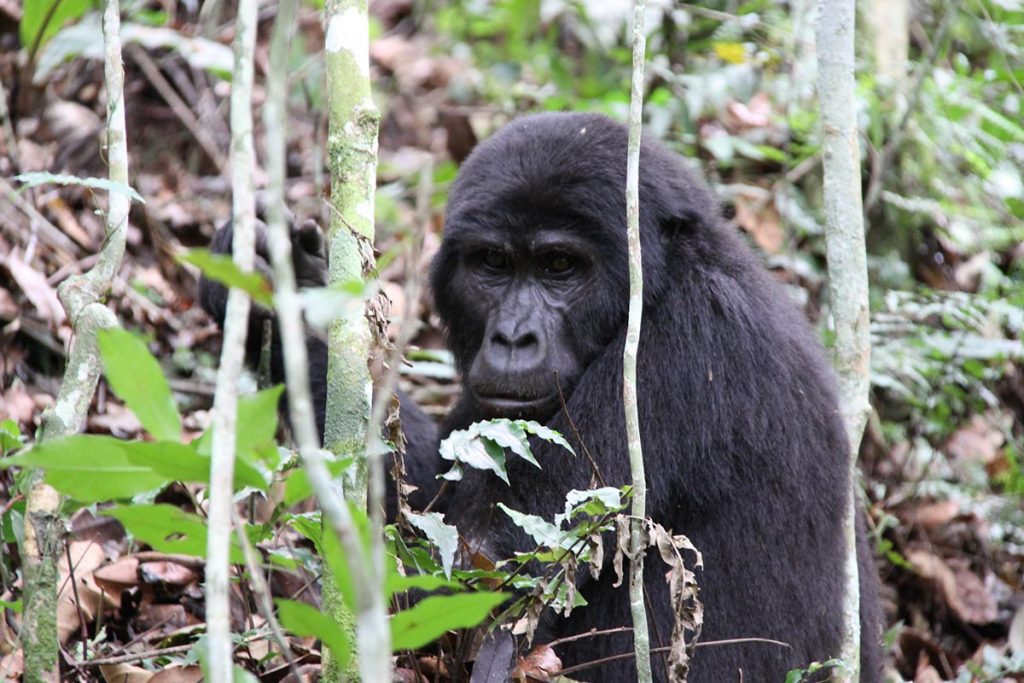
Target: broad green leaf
(91,468)
(306,620)
(466,446)
(256,424)
(424,582)
(222,269)
(444,536)
(168,529)
(105,184)
(297,486)
(257,419)
(546,433)
(543,532)
(41,19)
(591,502)
(137,379)
(436,615)
(507,434)
(337,564)
(178,462)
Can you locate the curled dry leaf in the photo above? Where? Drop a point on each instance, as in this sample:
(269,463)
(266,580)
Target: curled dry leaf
(682,584)
(1016,637)
(931,516)
(962,590)
(86,556)
(117,577)
(125,673)
(540,665)
(167,573)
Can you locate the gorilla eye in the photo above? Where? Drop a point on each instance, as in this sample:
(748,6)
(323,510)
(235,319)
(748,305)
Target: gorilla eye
(559,264)
(495,259)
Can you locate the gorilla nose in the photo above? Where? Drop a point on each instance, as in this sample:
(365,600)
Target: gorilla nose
(523,340)
(516,350)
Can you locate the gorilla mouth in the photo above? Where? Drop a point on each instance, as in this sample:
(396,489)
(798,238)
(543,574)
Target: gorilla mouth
(517,406)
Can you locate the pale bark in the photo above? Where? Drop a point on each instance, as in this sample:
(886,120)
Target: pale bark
(236,324)
(847,267)
(352,159)
(82,298)
(637,545)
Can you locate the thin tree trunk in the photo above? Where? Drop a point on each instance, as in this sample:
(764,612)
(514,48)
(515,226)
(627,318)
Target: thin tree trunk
(82,298)
(236,323)
(847,267)
(352,153)
(637,545)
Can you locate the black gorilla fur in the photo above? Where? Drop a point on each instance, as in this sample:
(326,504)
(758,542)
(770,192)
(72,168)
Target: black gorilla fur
(744,447)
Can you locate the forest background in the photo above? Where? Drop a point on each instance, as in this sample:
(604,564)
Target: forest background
(730,86)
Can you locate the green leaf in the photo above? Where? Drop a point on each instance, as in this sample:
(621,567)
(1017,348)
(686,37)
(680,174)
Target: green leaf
(297,487)
(257,420)
(467,447)
(91,468)
(337,564)
(178,462)
(13,605)
(41,19)
(222,269)
(424,582)
(507,434)
(10,436)
(546,433)
(444,536)
(136,377)
(168,529)
(305,620)
(105,184)
(436,615)
(543,532)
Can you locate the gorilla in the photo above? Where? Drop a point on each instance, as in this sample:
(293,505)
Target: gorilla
(744,446)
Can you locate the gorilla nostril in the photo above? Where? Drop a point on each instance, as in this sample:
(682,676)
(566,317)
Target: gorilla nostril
(515,341)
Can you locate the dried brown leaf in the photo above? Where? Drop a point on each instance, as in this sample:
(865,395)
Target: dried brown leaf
(538,666)
(38,291)
(179,674)
(962,590)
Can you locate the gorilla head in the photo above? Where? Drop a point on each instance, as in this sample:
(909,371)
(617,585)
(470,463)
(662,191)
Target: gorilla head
(532,278)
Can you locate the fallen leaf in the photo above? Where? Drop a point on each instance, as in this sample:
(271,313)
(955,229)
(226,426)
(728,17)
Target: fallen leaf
(34,285)
(125,673)
(962,590)
(539,665)
(179,674)
(86,556)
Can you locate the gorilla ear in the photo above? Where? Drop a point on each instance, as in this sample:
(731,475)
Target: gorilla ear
(686,221)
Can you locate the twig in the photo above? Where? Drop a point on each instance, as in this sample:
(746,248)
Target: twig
(579,437)
(627,655)
(641,635)
(53,235)
(137,656)
(78,601)
(262,591)
(81,297)
(222,460)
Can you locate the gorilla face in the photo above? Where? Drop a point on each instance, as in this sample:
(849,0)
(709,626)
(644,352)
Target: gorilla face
(527,287)
(531,282)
